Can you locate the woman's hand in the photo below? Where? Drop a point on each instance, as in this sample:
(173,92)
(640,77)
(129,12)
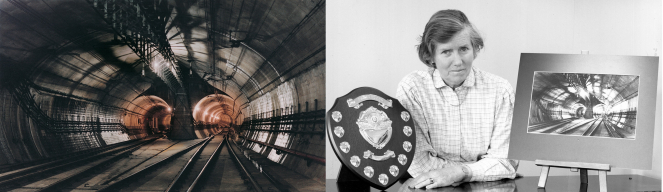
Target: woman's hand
(439,178)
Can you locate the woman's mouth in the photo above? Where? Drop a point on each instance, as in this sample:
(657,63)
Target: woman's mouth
(457,70)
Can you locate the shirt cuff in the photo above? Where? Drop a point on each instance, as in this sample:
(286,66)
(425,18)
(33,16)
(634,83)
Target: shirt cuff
(468,172)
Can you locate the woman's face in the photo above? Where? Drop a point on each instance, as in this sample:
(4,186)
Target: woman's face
(453,59)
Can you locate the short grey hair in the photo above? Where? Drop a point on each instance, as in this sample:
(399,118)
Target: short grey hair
(441,27)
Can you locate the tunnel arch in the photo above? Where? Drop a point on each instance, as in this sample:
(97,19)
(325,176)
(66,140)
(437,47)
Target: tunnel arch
(215,109)
(155,115)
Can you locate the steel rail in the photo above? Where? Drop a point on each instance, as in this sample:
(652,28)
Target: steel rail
(188,163)
(63,158)
(195,181)
(35,171)
(248,175)
(112,186)
(138,164)
(54,186)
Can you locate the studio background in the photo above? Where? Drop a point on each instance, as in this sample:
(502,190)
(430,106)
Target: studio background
(372,43)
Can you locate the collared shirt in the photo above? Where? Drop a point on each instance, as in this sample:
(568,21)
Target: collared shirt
(468,126)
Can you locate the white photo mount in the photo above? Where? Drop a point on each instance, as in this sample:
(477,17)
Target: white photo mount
(588,152)
(574,166)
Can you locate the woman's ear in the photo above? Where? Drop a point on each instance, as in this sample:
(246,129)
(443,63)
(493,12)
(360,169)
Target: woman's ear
(430,63)
(476,52)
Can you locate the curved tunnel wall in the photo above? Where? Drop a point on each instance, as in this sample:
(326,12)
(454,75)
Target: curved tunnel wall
(73,125)
(271,118)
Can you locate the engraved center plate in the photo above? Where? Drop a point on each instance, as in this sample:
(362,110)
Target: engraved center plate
(375,127)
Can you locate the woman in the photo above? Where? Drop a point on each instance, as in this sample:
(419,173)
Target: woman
(462,114)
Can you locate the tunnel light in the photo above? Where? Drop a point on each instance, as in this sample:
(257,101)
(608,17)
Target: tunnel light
(583,93)
(599,109)
(572,89)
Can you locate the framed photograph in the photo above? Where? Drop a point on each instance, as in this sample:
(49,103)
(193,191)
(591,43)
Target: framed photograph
(585,108)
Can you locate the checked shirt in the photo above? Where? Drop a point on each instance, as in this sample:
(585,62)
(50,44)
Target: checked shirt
(468,126)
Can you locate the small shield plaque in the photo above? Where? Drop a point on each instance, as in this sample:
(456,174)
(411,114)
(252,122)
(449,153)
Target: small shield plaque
(371,134)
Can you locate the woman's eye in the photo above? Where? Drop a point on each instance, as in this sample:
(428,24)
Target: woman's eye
(446,52)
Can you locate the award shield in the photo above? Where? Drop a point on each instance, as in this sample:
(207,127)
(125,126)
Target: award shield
(372,135)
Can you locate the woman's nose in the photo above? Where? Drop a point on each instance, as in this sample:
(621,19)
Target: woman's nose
(456,59)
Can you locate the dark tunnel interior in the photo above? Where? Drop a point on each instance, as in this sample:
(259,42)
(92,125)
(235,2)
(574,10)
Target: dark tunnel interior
(85,75)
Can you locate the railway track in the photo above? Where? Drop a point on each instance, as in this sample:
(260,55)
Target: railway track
(223,171)
(600,127)
(62,168)
(210,164)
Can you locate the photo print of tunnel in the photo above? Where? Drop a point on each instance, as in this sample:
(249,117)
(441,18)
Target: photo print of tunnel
(584,104)
(585,108)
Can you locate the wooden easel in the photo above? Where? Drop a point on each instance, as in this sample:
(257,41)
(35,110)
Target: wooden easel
(575,166)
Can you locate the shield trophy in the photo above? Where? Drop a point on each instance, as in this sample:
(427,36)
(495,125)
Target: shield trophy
(372,135)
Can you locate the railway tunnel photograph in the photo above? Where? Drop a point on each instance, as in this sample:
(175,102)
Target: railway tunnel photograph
(162,95)
(579,104)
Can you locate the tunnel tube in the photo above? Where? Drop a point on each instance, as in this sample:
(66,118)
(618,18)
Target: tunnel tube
(214,112)
(156,115)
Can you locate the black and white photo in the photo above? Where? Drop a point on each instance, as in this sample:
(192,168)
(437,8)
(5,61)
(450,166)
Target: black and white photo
(582,104)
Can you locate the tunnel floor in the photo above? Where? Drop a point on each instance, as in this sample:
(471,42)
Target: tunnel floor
(596,127)
(159,164)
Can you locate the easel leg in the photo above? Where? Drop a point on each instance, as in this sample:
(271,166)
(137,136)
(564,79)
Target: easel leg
(583,176)
(603,181)
(544,176)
